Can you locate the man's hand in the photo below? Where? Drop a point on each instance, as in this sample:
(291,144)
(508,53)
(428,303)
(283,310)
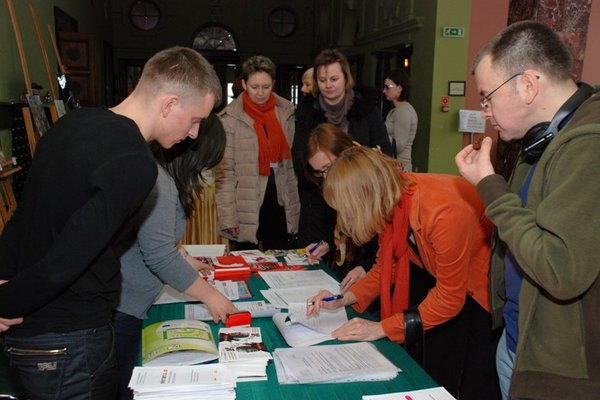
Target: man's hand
(474,165)
(6,323)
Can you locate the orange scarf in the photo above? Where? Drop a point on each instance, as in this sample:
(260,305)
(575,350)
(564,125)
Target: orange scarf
(272,144)
(393,244)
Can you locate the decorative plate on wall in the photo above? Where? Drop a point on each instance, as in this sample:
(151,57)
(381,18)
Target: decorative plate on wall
(144,15)
(282,22)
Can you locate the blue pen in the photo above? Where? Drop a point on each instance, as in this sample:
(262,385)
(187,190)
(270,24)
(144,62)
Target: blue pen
(316,246)
(330,298)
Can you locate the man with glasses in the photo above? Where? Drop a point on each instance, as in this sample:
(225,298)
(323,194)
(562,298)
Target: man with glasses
(545,266)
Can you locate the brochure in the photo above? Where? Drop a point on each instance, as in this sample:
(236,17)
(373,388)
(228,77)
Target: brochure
(178,342)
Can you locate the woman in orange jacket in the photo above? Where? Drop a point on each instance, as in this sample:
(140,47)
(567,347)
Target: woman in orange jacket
(436,222)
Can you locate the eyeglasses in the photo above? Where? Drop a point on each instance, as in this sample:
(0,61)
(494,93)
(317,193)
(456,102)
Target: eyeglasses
(322,172)
(485,100)
(389,87)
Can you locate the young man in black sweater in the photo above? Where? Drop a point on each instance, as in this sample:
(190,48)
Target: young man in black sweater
(59,270)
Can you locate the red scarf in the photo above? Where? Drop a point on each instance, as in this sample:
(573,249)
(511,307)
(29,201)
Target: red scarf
(272,147)
(393,243)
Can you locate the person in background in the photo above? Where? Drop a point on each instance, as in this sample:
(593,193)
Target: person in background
(324,146)
(152,256)
(308,82)
(401,121)
(353,110)
(256,188)
(544,272)
(91,172)
(437,222)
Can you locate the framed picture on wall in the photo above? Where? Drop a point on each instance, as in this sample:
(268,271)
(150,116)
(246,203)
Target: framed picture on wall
(456,88)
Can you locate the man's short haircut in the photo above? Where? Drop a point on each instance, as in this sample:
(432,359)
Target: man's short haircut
(528,44)
(258,64)
(182,71)
(330,56)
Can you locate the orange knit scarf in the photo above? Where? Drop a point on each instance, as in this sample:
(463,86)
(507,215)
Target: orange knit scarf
(272,144)
(393,243)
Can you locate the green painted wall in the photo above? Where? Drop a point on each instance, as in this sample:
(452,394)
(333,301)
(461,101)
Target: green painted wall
(11,73)
(12,79)
(450,64)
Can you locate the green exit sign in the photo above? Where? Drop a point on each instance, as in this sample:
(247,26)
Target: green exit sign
(453,31)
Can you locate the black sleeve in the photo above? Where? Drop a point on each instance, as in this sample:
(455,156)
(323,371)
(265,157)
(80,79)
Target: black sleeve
(120,186)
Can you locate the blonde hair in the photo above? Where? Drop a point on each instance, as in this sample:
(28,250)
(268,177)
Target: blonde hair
(364,186)
(182,71)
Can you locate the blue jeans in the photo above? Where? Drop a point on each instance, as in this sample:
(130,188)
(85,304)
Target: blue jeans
(72,365)
(504,365)
(128,336)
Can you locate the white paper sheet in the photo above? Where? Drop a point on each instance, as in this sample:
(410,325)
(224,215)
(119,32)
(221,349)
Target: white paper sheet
(437,393)
(258,309)
(297,335)
(282,297)
(291,279)
(325,322)
(205,250)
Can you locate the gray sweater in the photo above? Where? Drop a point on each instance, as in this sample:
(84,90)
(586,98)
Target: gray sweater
(153,259)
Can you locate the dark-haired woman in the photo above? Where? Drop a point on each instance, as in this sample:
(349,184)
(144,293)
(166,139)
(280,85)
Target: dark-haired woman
(401,121)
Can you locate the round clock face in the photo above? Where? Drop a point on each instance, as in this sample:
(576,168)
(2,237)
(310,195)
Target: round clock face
(282,22)
(144,15)
(214,38)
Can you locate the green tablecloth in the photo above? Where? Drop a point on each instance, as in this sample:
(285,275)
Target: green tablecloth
(412,376)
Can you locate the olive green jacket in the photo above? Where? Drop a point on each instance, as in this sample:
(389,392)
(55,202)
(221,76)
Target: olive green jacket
(556,240)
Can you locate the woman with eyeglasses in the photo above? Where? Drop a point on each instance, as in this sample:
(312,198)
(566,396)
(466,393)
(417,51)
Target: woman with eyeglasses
(351,109)
(348,261)
(401,121)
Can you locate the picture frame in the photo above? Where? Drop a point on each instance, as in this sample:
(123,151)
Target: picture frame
(456,88)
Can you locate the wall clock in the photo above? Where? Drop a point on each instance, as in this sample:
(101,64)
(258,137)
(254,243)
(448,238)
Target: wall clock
(282,22)
(144,15)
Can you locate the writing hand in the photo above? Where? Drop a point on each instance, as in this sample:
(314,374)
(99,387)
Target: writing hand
(359,329)
(316,302)
(474,165)
(317,254)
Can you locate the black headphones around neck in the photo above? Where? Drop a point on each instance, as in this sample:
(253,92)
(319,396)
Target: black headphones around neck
(538,136)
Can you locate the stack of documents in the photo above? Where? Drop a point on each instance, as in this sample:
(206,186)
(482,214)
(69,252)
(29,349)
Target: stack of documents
(242,350)
(333,363)
(296,286)
(210,382)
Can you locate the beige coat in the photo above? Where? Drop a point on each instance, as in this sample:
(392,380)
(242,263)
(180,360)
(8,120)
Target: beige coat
(240,189)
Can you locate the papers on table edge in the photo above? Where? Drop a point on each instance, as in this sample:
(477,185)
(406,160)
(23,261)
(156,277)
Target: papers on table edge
(233,290)
(210,381)
(436,393)
(258,309)
(354,362)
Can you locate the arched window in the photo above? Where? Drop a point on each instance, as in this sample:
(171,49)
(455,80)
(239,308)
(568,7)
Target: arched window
(214,37)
